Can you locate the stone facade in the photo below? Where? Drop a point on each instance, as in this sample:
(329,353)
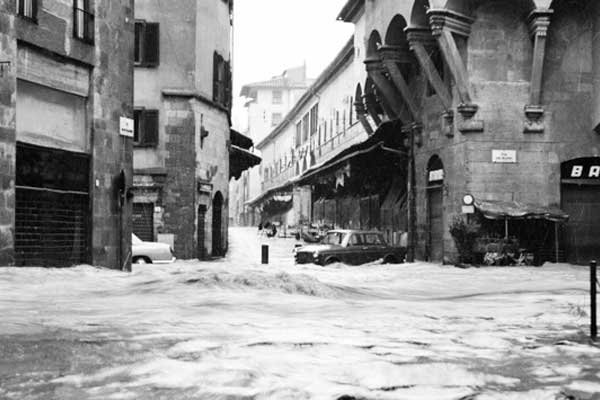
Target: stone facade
(187,169)
(516,77)
(43,51)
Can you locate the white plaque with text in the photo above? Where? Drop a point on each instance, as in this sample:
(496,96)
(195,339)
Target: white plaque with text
(504,156)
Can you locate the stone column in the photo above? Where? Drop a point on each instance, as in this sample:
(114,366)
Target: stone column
(538,20)
(361,113)
(421,42)
(391,58)
(8,88)
(384,86)
(444,25)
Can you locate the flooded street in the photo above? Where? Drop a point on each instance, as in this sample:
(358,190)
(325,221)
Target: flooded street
(234,329)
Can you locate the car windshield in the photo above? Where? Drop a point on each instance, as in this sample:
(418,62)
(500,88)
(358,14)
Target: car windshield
(135,239)
(333,238)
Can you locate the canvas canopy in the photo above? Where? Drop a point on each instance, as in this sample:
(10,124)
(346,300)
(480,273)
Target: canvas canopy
(495,209)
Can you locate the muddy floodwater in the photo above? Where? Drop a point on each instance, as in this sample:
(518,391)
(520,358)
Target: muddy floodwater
(235,329)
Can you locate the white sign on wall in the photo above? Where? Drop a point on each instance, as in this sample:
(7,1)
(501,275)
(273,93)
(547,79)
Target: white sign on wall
(436,175)
(504,156)
(126,127)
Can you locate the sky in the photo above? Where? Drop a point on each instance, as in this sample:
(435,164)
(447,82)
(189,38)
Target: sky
(273,35)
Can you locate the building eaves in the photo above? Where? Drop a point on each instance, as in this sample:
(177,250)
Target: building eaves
(350,10)
(344,56)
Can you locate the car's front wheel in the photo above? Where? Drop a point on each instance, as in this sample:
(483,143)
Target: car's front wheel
(142,260)
(331,260)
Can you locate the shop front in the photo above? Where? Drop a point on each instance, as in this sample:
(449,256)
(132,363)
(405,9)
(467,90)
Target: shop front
(580,198)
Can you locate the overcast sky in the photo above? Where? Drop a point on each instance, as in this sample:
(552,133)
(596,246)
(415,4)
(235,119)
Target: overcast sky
(272,35)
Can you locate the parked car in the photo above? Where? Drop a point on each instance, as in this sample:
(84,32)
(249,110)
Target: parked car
(150,252)
(350,247)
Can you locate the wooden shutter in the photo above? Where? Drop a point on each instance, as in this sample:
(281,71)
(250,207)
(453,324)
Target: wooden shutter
(139,34)
(216,77)
(150,136)
(151,44)
(228,91)
(137,115)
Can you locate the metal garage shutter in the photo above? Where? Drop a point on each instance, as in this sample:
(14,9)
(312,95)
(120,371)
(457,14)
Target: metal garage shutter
(582,231)
(436,225)
(51,207)
(50,228)
(143,221)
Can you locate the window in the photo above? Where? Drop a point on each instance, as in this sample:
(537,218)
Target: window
(145,127)
(147,52)
(221,80)
(27,9)
(305,126)
(337,122)
(299,134)
(314,119)
(83,21)
(275,119)
(277,97)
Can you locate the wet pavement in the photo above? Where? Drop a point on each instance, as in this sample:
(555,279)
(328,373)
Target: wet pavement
(235,329)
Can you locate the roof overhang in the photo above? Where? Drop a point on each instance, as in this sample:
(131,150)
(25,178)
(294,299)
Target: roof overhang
(350,10)
(240,160)
(388,138)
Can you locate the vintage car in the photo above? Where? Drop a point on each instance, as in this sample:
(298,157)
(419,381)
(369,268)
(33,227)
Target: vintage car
(150,252)
(349,247)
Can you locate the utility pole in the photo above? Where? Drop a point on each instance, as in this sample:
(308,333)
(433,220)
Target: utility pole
(593,289)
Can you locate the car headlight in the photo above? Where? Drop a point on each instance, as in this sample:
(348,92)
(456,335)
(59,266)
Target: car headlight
(316,254)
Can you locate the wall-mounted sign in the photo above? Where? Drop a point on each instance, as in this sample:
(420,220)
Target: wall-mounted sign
(468,209)
(126,127)
(436,175)
(581,168)
(504,156)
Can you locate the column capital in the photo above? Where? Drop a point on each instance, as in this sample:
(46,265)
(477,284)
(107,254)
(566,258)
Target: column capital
(442,18)
(419,34)
(399,54)
(538,21)
(373,64)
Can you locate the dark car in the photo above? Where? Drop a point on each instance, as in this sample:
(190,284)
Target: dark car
(349,247)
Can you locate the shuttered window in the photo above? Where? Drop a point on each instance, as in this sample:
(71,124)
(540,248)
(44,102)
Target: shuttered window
(222,93)
(147,44)
(145,127)
(27,9)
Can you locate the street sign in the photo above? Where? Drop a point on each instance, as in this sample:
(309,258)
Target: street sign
(126,127)
(504,156)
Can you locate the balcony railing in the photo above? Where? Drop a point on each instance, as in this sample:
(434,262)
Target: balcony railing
(83,25)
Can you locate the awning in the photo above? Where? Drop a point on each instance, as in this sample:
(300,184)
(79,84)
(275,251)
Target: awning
(284,189)
(495,209)
(239,140)
(241,160)
(387,137)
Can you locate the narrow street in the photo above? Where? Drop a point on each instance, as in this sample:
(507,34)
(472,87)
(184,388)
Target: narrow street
(234,329)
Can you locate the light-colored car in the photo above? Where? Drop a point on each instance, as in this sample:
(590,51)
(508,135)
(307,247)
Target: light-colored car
(150,252)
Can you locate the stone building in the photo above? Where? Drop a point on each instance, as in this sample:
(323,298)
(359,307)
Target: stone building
(330,162)
(66,99)
(267,102)
(182,118)
(500,100)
